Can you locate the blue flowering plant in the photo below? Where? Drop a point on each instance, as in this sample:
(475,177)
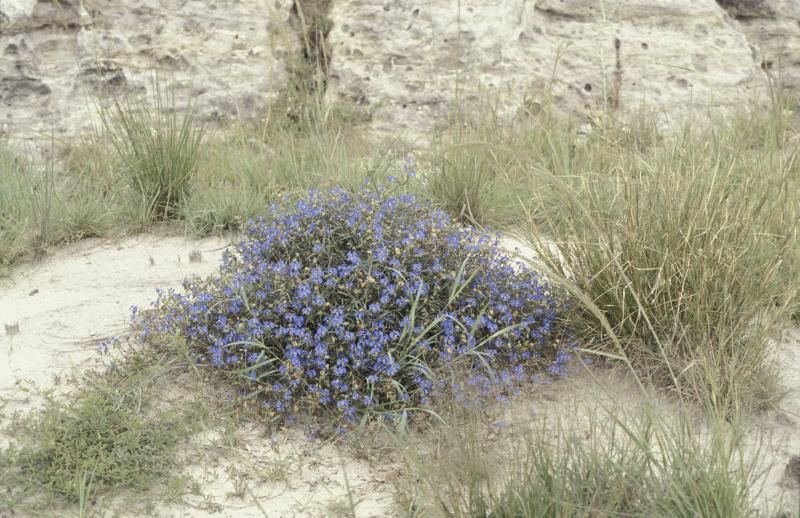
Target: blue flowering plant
(360,303)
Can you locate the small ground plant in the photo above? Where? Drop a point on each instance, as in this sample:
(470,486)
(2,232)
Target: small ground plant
(115,431)
(357,302)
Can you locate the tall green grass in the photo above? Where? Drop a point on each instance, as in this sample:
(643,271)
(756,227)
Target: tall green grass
(465,177)
(96,198)
(158,148)
(153,162)
(681,254)
(474,169)
(689,257)
(40,208)
(231,186)
(251,165)
(17,214)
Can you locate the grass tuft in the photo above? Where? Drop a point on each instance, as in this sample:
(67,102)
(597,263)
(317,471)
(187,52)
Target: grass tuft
(16,206)
(688,254)
(158,150)
(36,212)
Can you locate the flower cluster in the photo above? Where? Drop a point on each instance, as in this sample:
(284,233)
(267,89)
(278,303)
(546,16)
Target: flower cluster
(360,302)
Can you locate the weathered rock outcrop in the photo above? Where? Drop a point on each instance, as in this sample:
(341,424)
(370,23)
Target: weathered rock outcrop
(774,27)
(59,55)
(408,63)
(410,60)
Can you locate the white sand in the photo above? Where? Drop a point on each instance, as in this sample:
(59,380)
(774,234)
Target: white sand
(80,295)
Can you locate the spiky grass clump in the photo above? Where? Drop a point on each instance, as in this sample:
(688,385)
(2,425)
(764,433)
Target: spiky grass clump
(159,150)
(467,184)
(475,171)
(35,212)
(17,206)
(356,302)
(243,173)
(682,258)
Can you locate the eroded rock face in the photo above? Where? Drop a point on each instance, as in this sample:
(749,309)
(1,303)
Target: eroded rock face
(59,56)
(404,58)
(410,64)
(774,27)
(747,9)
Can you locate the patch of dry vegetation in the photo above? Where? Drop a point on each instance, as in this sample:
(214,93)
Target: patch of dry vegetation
(680,254)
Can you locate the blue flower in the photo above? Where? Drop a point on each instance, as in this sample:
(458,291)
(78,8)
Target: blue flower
(381,254)
(302,292)
(339,291)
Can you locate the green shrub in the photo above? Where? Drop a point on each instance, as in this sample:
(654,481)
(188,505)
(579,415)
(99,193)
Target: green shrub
(98,439)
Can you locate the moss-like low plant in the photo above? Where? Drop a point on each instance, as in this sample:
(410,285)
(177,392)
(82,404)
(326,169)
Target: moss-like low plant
(357,302)
(110,441)
(96,442)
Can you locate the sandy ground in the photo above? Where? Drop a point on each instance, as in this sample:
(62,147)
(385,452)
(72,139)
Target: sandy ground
(783,426)
(55,311)
(286,474)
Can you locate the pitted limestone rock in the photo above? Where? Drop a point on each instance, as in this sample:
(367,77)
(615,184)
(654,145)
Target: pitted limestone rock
(414,63)
(411,65)
(774,27)
(58,58)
